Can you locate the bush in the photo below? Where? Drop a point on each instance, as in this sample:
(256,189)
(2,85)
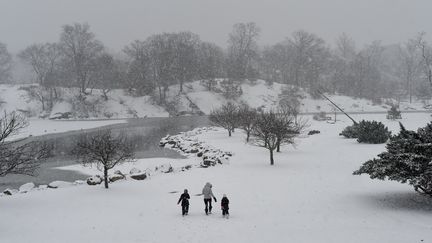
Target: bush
(372,132)
(350,131)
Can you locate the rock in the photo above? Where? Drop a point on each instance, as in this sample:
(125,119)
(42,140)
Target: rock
(187,167)
(10,192)
(312,132)
(94,180)
(166,168)
(200,154)
(208,162)
(135,171)
(117,172)
(79,182)
(59,184)
(26,187)
(194,151)
(42,187)
(139,177)
(115,177)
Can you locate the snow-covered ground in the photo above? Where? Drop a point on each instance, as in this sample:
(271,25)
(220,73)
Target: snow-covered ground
(38,127)
(309,195)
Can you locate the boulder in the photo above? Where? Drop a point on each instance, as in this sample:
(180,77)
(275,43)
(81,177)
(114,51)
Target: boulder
(26,187)
(115,177)
(59,184)
(312,132)
(10,192)
(139,176)
(94,180)
(135,171)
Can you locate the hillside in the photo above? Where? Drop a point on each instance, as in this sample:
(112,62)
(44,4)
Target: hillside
(195,99)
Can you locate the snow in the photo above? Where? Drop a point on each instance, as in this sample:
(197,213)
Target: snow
(309,195)
(26,187)
(38,127)
(122,105)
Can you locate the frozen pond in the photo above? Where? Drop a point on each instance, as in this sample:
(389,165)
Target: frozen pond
(145,134)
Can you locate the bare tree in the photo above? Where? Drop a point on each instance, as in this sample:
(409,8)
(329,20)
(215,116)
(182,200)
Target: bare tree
(310,56)
(426,54)
(18,157)
(247,119)
(5,64)
(210,61)
(274,129)
(44,59)
(104,150)
(226,116)
(81,50)
(107,74)
(186,53)
(139,73)
(243,50)
(409,65)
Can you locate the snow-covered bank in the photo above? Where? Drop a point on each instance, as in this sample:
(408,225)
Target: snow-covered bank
(194,99)
(309,195)
(38,127)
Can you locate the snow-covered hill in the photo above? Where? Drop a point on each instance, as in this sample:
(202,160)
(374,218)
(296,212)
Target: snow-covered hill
(195,99)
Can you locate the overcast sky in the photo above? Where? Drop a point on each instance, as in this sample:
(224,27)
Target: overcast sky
(118,22)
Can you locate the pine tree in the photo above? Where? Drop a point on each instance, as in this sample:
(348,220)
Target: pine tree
(407,160)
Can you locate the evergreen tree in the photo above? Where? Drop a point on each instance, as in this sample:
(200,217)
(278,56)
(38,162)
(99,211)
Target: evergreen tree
(407,160)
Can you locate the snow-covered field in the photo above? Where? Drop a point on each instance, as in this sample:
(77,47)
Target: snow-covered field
(309,195)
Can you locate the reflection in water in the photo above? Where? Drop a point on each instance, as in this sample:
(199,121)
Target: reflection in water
(144,133)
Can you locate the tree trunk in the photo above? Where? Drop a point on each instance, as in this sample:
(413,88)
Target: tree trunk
(229,132)
(271,157)
(278,145)
(247,136)
(106,177)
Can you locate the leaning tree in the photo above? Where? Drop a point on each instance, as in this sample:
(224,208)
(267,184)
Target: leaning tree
(103,150)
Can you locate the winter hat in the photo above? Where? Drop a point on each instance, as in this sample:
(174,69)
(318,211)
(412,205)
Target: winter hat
(185,190)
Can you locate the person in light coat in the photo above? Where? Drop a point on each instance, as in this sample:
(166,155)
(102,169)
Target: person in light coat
(208,195)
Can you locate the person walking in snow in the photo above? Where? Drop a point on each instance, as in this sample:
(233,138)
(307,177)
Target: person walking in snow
(208,195)
(184,199)
(225,206)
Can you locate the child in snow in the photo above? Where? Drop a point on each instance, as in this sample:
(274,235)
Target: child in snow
(184,199)
(224,206)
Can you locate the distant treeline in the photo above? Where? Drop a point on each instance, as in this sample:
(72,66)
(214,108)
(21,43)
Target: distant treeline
(151,66)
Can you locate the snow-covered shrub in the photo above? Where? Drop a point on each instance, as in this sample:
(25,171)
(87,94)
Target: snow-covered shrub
(350,131)
(407,159)
(231,89)
(394,113)
(322,116)
(372,132)
(94,180)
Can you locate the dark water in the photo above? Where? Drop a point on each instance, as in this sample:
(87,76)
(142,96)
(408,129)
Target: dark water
(145,134)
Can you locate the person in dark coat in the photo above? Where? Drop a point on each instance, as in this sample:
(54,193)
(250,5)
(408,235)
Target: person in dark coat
(225,206)
(184,199)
